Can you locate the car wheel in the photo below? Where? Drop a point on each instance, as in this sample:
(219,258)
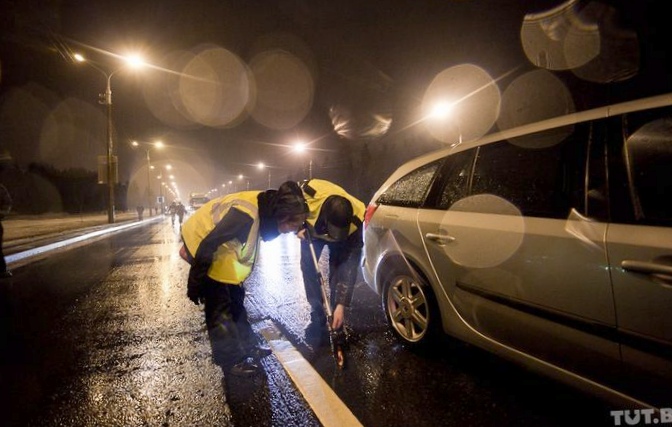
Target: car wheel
(410,308)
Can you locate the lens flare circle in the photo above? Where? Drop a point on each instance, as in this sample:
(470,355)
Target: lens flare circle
(483,241)
(474,99)
(284,88)
(215,87)
(532,97)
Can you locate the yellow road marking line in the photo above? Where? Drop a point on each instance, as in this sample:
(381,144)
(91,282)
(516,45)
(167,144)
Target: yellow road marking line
(329,409)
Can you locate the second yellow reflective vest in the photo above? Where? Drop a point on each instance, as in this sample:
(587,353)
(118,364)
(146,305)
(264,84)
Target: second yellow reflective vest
(316,191)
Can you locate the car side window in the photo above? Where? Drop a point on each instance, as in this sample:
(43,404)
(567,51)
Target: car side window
(411,190)
(454,180)
(646,159)
(546,181)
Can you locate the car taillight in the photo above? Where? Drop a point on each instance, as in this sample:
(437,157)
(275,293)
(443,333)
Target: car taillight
(369,213)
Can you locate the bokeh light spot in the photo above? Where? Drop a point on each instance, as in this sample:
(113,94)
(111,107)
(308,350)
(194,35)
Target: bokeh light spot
(284,88)
(533,97)
(482,242)
(23,110)
(215,88)
(72,136)
(475,101)
(162,95)
(585,37)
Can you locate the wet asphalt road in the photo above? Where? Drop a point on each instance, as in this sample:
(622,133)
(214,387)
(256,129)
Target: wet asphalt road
(103,334)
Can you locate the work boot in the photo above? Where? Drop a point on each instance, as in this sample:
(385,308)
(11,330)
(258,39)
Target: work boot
(245,368)
(317,334)
(259,351)
(340,338)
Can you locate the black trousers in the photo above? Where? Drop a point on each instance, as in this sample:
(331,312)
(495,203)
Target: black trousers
(229,330)
(311,281)
(343,262)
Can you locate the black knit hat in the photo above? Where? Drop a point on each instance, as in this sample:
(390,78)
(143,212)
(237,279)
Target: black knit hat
(337,215)
(289,201)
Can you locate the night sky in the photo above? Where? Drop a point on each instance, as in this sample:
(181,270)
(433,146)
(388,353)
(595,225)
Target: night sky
(232,83)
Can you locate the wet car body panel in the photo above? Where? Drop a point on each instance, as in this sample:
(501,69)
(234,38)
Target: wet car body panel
(579,294)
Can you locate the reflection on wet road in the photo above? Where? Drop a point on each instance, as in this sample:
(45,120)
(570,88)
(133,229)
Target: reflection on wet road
(104,334)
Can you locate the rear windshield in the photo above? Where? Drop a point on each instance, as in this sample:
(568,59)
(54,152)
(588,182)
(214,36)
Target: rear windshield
(199,200)
(411,190)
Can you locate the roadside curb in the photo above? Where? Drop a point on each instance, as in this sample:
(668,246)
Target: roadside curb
(24,257)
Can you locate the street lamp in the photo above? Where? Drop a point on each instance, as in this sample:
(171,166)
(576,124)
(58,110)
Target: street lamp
(160,177)
(158,145)
(444,110)
(300,147)
(172,188)
(240,178)
(263,166)
(106,99)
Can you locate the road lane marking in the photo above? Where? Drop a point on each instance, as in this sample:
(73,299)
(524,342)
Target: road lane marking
(30,253)
(329,409)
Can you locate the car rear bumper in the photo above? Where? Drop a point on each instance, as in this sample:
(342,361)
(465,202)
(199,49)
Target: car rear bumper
(367,274)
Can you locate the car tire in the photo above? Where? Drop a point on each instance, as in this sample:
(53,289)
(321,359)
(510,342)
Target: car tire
(410,308)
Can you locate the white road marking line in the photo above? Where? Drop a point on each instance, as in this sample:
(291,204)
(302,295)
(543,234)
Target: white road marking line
(328,408)
(20,256)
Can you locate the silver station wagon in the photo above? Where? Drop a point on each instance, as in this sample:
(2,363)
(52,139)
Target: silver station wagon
(549,245)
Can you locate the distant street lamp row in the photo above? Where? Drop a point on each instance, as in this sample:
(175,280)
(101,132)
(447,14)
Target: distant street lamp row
(440,110)
(158,145)
(299,147)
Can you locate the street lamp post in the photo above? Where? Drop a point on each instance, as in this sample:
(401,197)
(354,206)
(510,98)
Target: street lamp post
(161,195)
(110,148)
(262,166)
(107,100)
(300,148)
(160,177)
(247,181)
(149,184)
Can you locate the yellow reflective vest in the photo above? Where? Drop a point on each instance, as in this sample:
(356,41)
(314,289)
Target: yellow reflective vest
(316,191)
(233,260)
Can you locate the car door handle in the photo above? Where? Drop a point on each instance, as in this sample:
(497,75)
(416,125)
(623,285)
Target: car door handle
(646,267)
(439,238)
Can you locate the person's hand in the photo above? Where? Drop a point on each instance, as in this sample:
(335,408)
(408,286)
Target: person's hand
(183,253)
(193,292)
(338,317)
(301,234)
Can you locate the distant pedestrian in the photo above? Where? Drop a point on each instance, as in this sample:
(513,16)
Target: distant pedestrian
(172,211)
(5,207)
(180,209)
(141,210)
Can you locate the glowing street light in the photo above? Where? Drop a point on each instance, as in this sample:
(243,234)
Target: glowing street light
(168,167)
(106,99)
(241,177)
(262,166)
(300,147)
(443,110)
